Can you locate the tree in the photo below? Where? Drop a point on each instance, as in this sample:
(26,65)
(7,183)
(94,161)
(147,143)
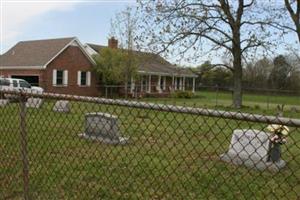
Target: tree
(257,72)
(210,75)
(286,17)
(203,68)
(293,60)
(280,73)
(112,66)
(124,27)
(233,28)
(293,9)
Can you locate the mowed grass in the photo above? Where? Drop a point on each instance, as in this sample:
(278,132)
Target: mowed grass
(170,156)
(252,103)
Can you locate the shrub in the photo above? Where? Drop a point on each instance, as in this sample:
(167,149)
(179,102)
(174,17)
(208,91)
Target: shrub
(183,94)
(257,107)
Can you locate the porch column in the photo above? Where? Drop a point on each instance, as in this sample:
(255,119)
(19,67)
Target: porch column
(149,83)
(194,84)
(173,83)
(183,85)
(180,83)
(132,85)
(164,83)
(158,84)
(142,78)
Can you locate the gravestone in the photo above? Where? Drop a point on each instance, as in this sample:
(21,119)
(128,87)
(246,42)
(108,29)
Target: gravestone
(3,102)
(251,149)
(103,127)
(62,106)
(34,103)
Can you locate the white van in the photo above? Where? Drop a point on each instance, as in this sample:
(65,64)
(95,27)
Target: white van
(12,84)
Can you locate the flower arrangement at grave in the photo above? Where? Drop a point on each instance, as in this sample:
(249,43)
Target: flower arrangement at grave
(278,137)
(279,133)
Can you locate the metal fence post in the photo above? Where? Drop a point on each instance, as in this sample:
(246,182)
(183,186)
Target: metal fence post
(24,146)
(105,91)
(217,94)
(268,100)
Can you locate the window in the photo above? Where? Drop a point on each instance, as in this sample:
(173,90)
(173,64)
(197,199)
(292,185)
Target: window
(4,82)
(24,84)
(83,80)
(15,83)
(59,77)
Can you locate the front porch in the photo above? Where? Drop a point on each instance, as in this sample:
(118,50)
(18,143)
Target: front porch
(161,85)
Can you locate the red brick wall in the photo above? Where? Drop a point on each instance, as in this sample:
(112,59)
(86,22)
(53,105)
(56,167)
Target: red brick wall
(73,60)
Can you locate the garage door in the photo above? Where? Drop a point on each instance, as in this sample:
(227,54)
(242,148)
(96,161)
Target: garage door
(33,80)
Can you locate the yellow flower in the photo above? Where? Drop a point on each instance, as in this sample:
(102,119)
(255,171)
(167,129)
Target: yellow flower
(285,130)
(273,128)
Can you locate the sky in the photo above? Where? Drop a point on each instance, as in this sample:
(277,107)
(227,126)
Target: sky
(42,19)
(88,20)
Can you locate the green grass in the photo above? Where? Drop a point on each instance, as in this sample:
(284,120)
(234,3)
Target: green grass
(170,156)
(253,103)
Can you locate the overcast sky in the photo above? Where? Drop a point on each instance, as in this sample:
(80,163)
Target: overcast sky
(89,20)
(38,19)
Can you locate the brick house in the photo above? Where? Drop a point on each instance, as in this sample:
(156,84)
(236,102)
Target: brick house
(57,65)
(156,75)
(65,66)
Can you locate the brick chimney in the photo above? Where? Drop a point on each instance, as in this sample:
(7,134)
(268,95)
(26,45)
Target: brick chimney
(112,43)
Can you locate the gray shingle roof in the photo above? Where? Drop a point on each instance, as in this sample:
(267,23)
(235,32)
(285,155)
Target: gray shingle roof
(33,53)
(153,63)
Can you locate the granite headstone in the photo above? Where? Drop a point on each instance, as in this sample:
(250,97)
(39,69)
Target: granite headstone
(251,148)
(34,103)
(3,102)
(62,106)
(103,127)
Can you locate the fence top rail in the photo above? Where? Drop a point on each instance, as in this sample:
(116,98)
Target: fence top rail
(164,107)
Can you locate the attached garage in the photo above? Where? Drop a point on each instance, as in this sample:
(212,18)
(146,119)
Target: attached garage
(33,80)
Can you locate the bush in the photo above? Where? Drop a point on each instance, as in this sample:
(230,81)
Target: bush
(183,94)
(257,107)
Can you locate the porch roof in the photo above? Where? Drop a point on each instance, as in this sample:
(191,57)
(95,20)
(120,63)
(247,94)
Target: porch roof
(150,63)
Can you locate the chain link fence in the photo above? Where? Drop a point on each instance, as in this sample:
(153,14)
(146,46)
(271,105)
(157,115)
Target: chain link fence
(253,97)
(70,147)
(210,96)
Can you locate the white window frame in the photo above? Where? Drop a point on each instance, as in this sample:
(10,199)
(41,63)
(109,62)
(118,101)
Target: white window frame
(65,78)
(88,79)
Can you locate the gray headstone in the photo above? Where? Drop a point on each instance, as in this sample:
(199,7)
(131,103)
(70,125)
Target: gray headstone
(103,127)
(34,103)
(62,106)
(3,102)
(251,148)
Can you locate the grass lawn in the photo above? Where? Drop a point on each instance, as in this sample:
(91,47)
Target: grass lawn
(253,103)
(170,156)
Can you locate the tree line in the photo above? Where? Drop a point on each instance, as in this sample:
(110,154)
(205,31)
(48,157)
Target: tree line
(279,73)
